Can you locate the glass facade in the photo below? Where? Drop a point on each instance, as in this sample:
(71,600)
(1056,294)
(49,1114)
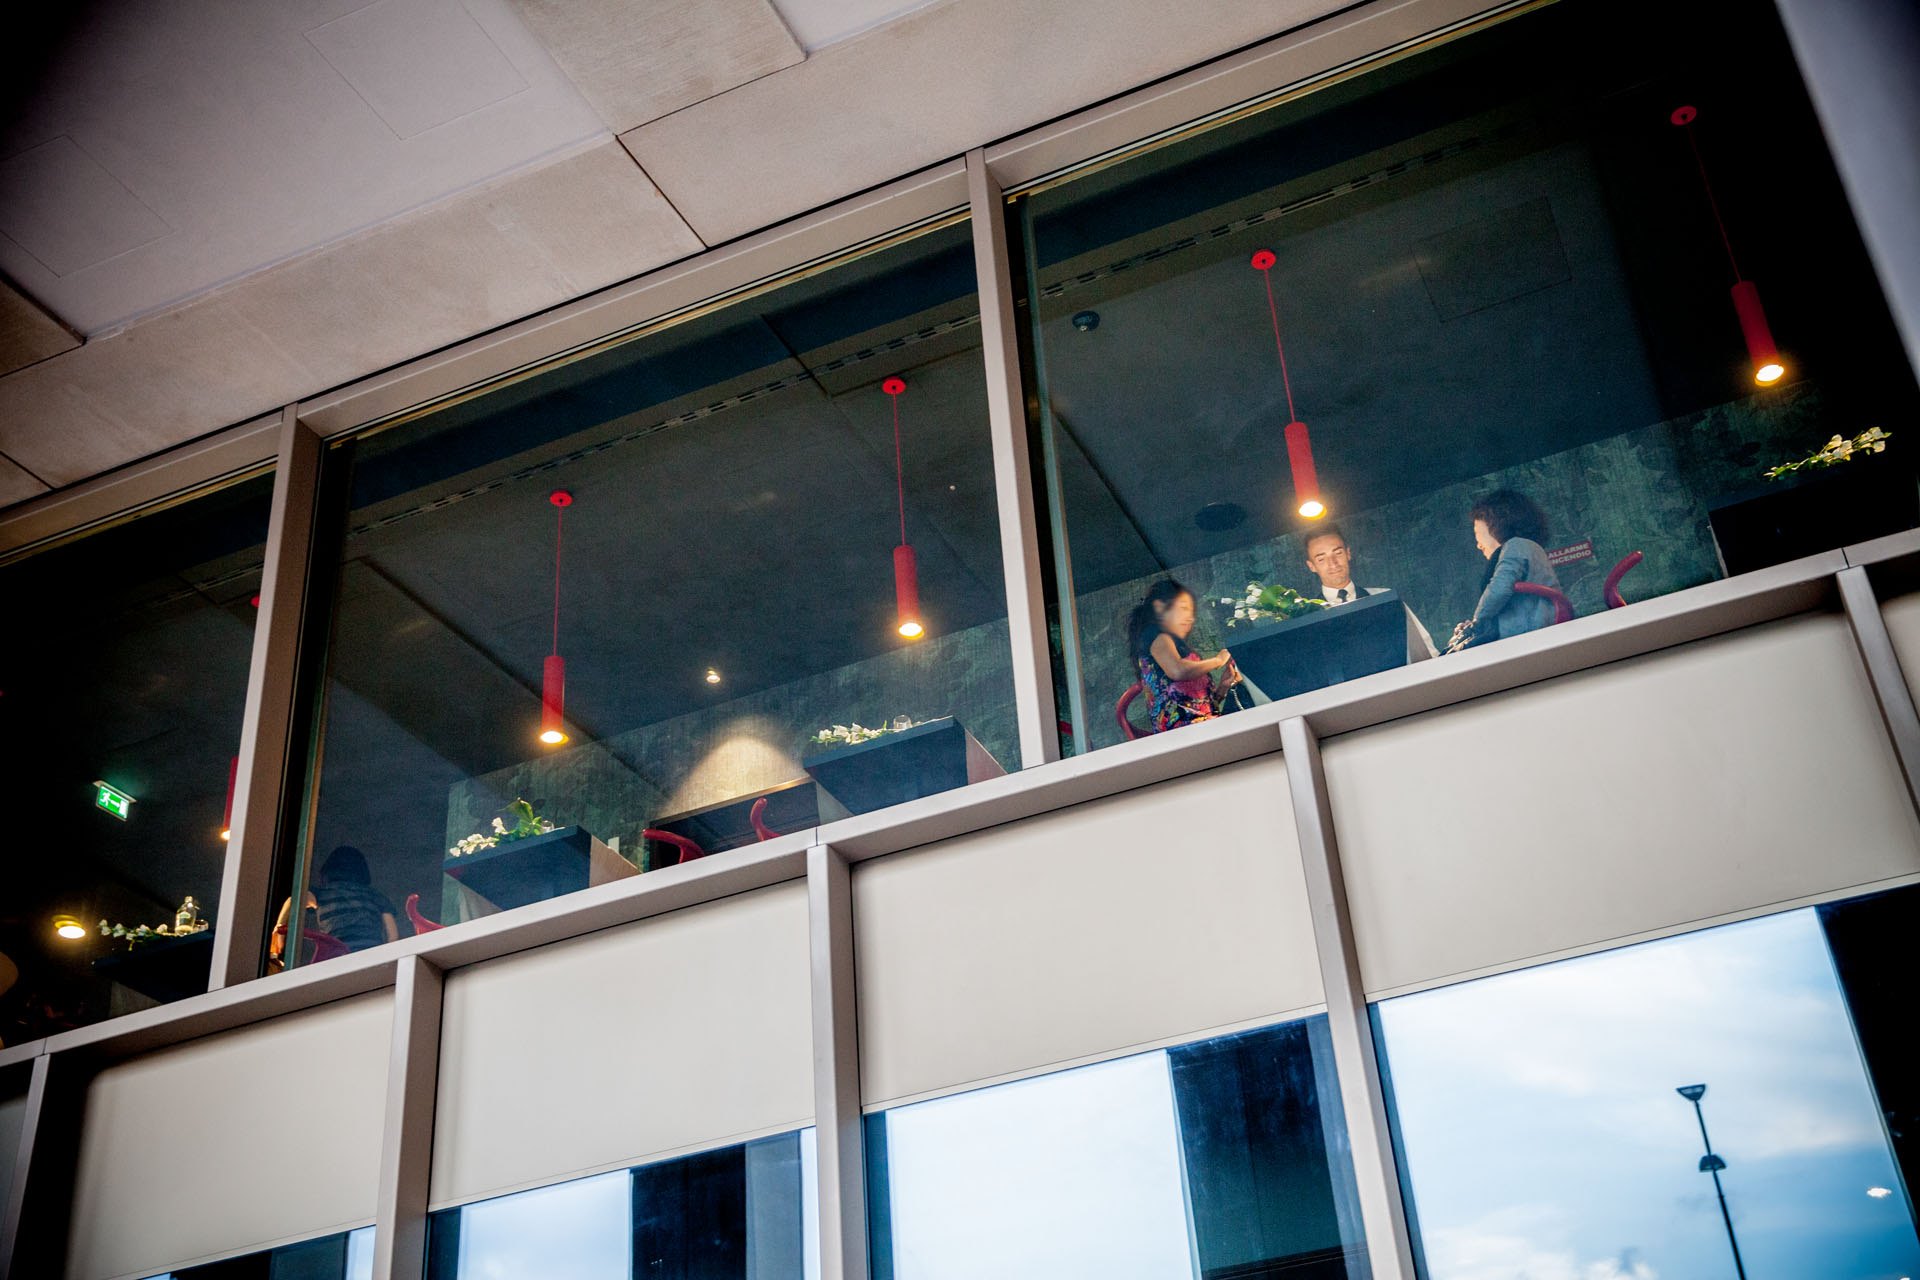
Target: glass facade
(1462,329)
(740,1213)
(1215,1159)
(1552,1121)
(346,1256)
(659,603)
(120,711)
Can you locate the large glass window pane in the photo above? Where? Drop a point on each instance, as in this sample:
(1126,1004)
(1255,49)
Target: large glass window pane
(698,650)
(123,676)
(345,1256)
(1293,358)
(1215,1159)
(740,1213)
(1552,1122)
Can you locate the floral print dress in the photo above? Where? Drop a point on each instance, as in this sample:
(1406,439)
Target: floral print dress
(1171,702)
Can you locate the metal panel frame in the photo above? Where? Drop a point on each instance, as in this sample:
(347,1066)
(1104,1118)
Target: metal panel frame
(32,1230)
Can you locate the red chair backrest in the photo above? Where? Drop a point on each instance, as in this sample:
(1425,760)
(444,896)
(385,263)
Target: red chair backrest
(688,849)
(758,816)
(318,946)
(1127,729)
(1610,592)
(1562,607)
(420,923)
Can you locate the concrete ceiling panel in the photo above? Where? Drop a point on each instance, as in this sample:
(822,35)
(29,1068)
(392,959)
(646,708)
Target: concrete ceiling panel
(16,485)
(920,89)
(819,23)
(418,63)
(225,121)
(27,333)
(638,60)
(468,264)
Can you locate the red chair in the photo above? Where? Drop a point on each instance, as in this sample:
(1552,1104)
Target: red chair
(1562,607)
(758,816)
(1127,729)
(420,923)
(688,849)
(318,946)
(1610,592)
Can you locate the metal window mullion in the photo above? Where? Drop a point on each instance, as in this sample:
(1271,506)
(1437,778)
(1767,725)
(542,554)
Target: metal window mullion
(240,919)
(1012,472)
(1889,683)
(1363,1098)
(840,1145)
(406,1151)
(34,1220)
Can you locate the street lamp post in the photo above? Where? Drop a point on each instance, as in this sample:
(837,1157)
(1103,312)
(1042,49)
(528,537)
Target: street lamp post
(1713,1164)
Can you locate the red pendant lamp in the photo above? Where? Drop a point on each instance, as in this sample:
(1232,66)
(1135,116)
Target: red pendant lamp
(1306,484)
(553,675)
(1767,365)
(226,815)
(906,574)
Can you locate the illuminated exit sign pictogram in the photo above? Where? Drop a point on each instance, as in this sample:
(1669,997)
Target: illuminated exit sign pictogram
(117,803)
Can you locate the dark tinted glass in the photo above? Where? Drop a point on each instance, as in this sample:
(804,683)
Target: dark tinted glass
(346,1256)
(1488,273)
(123,676)
(657,668)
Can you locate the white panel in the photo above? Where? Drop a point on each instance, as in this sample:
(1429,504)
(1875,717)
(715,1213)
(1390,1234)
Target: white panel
(13,1120)
(1141,919)
(232,1143)
(1902,614)
(1716,778)
(684,1031)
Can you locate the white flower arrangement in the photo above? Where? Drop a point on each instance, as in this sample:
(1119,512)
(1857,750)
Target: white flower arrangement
(1268,604)
(1835,451)
(525,823)
(150,933)
(847,735)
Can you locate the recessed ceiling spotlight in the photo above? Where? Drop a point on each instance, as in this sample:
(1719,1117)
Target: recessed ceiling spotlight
(69,928)
(1218,517)
(713,675)
(1086,321)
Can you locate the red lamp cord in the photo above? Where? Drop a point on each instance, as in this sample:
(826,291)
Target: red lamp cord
(559,527)
(1267,275)
(899,470)
(1712,202)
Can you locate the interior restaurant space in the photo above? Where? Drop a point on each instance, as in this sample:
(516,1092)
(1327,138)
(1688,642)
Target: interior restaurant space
(1506,331)
(1300,668)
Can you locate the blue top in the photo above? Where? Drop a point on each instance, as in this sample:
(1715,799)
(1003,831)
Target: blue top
(1512,613)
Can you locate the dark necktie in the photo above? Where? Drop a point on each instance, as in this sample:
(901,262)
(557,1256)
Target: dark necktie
(1340,596)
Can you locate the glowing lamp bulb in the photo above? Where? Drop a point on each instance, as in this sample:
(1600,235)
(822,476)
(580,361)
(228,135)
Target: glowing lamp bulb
(69,928)
(911,629)
(713,676)
(552,737)
(1769,373)
(226,833)
(1313,508)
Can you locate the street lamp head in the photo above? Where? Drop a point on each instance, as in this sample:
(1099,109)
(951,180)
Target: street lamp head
(1711,1163)
(1692,1092)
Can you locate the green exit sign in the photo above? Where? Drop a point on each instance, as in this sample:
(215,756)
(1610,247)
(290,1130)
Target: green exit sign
(117,803)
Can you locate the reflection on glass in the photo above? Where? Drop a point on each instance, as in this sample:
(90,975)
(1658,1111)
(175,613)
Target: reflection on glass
(346,1256)
(647,606)
(1543,1134)
(121,691)
(1210,1160)
(739,1213)
(1448,341)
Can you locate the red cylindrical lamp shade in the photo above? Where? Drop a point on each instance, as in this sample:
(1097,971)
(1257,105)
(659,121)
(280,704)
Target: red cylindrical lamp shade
(553,700)
(226,816)
(1767,368)
(906,591)
(1306,484)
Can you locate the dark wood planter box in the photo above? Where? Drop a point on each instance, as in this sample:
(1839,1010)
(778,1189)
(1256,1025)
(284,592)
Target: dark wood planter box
(922,761)
(1324,647)
(530,870)
(165,970)
(1847,503)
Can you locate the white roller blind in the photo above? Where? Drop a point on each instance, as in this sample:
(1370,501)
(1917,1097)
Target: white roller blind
(1717,777)
(1140,919)
(232,1143)
(684,1031)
